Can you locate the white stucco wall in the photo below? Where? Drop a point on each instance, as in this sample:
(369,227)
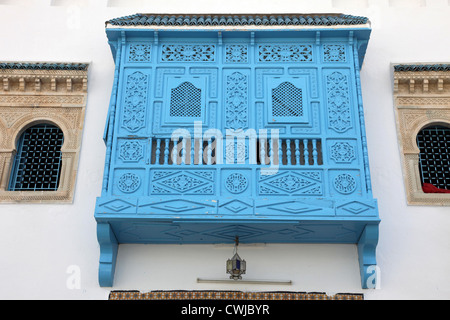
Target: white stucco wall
(40,244)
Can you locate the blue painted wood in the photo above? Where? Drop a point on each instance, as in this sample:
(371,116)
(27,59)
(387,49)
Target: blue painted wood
(216,134)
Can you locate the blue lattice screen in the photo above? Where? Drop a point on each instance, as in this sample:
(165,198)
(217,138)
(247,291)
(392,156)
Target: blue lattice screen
(434,160)
(287,101)
(37,164)
(185,101)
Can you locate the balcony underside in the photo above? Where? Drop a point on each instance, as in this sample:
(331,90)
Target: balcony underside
(197,220)
(200,220)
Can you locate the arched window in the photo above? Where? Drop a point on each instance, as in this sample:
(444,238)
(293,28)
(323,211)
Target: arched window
(186,101)
(434,158)
(287,101)
(37,164)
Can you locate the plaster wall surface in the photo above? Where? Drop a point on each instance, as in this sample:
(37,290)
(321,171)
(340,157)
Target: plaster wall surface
(47,248)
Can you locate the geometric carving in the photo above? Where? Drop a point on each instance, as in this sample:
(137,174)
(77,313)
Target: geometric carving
(182,182)
(128,182)
(287,182)
(177,206)
(344,183)
(334,53)
(285,53)
(355,208)
(237,206)
(140,53)
(339,114)
(135,106)
(184,52)
(236,53)
(236,183)
(131,151)
(118,205)
(236,113)
(342,152)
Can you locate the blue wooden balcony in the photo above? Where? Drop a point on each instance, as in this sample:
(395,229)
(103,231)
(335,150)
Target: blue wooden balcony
(221,133)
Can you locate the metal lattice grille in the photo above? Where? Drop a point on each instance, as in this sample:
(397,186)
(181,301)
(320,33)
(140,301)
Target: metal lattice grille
(434,160)
(37,164)
(186,101)
(287,101)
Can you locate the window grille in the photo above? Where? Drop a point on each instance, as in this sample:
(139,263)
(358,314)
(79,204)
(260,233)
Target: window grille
(37,164)
(186,101)
(434,158)
(287,101)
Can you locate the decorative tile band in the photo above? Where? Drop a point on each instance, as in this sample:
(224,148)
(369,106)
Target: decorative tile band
(422,67)
(237,20)
(229,295)
(44,66)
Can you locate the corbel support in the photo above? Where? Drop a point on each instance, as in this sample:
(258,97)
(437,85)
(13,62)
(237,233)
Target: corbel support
(108,254)
(440,85)
(412,83)
(69,84)
(219,38)
(37,84)
(22,84)
(367,245)
(5,84)
(425,85)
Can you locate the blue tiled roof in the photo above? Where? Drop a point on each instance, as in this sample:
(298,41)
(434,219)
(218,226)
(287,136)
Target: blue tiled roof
(422,67)
(238,20)
(43,66)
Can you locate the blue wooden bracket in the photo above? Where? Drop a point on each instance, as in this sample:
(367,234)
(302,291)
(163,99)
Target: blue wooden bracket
(367,245)
(108,254)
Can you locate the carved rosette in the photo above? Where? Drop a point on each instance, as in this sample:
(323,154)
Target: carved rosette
(236,183)
(344,183)
(342,152)
(128,182)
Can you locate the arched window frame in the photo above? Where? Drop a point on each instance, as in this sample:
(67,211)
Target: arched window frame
(36,93)
(421,99)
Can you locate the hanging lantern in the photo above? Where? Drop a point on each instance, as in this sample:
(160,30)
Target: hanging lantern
(236,266)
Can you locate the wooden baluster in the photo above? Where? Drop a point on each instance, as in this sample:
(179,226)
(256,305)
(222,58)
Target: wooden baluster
(288,152)
(200,151)
(149,159)
(175,152)
(209,152)
(271,153)
(262,151)
(315,153)
(280,151)
(192,142)
(166,151)
(183,151)
(306,152)
(158,151)
(297,152)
